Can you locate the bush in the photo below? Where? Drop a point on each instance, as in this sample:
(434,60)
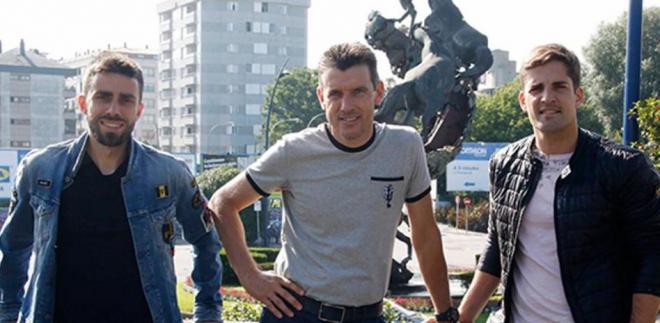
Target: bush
(648,117)
(261,258)
(211,180)
(477,218)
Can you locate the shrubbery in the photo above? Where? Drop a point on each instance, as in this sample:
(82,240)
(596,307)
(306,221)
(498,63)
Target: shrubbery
(264,257)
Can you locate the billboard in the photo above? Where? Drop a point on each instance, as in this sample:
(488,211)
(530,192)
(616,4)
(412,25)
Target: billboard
(9,159)
(468,172)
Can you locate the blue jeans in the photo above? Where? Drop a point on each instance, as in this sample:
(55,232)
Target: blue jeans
(303,317)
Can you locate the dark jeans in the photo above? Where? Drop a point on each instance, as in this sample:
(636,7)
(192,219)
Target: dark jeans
(304,317)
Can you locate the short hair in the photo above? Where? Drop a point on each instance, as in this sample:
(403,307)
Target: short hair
(545,54)
(346,55)
(113,62)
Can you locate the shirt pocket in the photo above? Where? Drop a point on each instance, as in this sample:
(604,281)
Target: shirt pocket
(388,191)
(43,211)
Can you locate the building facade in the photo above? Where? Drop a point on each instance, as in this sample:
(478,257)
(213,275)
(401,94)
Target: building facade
(216,59)
(146,129)
(502,72)
(32,92)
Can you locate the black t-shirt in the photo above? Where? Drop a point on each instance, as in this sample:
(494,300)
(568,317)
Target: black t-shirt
(97,277)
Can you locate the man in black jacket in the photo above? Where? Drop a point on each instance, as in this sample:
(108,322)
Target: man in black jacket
(574,229)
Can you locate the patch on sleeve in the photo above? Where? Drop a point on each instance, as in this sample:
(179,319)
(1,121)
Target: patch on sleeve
(162,191)
(44,182)
(207,219)
(197,200)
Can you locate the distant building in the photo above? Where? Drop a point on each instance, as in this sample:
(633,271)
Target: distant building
(502,72)
(32,90)
(146,129)
(217,57)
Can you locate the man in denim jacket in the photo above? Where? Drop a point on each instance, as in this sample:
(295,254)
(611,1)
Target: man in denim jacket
(98,213)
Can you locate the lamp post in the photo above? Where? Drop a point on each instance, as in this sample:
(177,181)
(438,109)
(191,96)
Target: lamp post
(270,102)
(309,124)
(284,121)
(264,200)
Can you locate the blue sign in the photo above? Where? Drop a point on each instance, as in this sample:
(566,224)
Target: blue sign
(468,172)
(5,175)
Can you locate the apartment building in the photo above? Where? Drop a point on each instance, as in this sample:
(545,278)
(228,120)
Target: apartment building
(502,72)
(216,59)
(32,90)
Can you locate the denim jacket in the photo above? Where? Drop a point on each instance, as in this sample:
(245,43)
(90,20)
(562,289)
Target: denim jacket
(157,190)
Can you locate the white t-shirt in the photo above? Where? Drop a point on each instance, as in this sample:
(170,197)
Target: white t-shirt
(538,293)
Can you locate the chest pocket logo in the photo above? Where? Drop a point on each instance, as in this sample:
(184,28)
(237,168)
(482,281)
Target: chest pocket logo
(388,189)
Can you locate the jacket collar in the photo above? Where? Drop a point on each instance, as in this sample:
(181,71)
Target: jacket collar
(76,152)
(582,141)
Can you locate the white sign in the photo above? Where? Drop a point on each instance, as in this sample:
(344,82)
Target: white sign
(468,172)
(257,206)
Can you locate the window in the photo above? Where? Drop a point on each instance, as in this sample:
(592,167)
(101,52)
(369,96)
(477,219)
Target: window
(148,118)
(190,69)
(253,68)
(19,99)
(167,74)
(188,110)
(188,90)
(165,36)
(167,93)
(19,77)
(253,89)
(232,48)
(149,71)
(191,49)
(261,48)
(232,6)
(230,26)
(165,131)
(191,8)
(149,103)
(189,129)
(253,109)
(284,9)
(265,28)
(190,29)
(232,68)
(248,26)
(20,143)
(282,50)
(166,16)
(283,30)
(149,88)
(260,6)
(165,112)
(70,127)
(166,55)
(231,88)
(256,130)
(20,122)
(268,69)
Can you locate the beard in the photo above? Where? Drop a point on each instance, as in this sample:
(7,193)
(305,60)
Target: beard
(110,139)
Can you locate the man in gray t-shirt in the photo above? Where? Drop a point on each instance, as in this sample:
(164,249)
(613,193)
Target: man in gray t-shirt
(344,184)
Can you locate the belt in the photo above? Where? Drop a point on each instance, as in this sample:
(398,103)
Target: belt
(337,313)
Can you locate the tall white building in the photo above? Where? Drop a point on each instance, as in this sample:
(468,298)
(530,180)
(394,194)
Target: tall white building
(32,90)
(502,72)
(146,129)
(217,57)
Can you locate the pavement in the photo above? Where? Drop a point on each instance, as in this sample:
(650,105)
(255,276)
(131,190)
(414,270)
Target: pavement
(460,248)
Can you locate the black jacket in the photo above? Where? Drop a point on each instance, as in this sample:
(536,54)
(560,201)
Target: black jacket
(607,220)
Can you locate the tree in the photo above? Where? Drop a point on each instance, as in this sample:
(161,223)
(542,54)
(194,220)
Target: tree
(498,118)
(295,98)
(606,56)
(212,179)
(648,112)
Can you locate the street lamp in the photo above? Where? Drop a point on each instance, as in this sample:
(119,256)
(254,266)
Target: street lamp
(270,101)
(309,124)
(285,120)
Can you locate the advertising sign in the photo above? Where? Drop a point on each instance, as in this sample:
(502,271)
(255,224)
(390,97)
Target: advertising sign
(9,159)
(468,172)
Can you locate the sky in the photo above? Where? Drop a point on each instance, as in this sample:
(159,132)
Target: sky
(64,27)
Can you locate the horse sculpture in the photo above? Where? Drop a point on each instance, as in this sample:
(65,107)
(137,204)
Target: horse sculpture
(440,62)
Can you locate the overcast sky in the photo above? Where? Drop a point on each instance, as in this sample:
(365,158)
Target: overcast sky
(64,27)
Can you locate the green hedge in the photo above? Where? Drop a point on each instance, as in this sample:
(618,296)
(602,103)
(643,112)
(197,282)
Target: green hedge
(262,256)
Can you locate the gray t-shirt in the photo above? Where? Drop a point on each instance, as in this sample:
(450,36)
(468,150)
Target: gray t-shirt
(342,207)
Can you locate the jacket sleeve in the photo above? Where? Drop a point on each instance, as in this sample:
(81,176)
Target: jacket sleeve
(489,261)
(16,240)
(641,217)
(199,231)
